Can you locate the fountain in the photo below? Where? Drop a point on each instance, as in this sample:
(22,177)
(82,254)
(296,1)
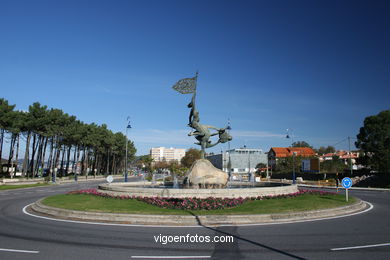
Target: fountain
(203,180)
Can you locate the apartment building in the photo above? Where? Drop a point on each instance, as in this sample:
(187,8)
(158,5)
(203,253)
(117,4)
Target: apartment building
(160,154)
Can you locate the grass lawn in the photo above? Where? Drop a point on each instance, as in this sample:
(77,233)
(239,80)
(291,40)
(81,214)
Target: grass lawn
(12,187)
(303,202)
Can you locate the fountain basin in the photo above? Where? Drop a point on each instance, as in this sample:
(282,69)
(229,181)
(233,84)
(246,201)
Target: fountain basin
(148,189)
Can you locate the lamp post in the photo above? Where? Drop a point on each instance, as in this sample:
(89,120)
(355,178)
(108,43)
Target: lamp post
(293,181)
(229,164)
(293,155)
(128,126)
(267,166)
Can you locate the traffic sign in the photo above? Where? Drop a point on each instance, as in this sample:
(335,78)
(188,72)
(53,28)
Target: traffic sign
(109,178)
(347,182)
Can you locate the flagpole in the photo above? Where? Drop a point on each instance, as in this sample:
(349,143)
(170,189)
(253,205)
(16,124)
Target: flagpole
(196,84)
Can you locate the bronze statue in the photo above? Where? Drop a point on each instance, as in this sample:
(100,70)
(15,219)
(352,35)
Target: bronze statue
(201,132)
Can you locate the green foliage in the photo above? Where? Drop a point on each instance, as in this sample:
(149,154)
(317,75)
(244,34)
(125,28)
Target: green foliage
(323,150)
(261,165)
(6,115)
(285,165)
(374,140)
(333,166)
(100,148)
(190,157)
(301,144)
(145,162)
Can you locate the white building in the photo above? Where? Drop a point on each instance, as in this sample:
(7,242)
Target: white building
(240,161)
(162,154)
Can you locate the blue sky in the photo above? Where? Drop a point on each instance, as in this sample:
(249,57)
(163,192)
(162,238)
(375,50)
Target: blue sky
(317,67)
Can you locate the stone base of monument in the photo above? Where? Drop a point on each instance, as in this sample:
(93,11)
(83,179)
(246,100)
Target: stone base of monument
(203,174)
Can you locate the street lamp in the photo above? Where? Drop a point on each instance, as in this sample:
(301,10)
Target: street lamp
(267,165)
(128,126)
(293,155)
(229,164)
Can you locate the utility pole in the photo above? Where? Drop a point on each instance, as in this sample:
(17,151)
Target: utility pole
(128,126)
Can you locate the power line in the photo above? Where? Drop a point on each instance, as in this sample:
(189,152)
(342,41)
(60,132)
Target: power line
(345,139)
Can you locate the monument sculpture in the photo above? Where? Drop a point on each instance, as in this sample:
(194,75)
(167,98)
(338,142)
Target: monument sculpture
(202,173)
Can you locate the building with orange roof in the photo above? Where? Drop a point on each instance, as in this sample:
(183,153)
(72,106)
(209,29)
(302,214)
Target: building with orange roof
(276,153)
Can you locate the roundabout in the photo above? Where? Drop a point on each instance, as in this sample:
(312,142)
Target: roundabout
(38,209)
(118,204)
(46,238)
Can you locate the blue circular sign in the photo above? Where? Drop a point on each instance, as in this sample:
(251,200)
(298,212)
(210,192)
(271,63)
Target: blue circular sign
(347,182)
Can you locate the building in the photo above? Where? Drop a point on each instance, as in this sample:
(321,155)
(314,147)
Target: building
(342,155)
(162,154)
(241,161)
(276,153)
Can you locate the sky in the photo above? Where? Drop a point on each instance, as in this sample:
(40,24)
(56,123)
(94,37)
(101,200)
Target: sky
(315,67)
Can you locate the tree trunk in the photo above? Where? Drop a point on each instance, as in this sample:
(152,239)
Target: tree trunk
(82,163)
(26,155)
(44,155)
(62,160)
(1,144)
(108,162)
(39,155)
(34,148)
(78,159)
(74,159)
(57,156)
(68,160)
(17,154)
(11,153)
(50,158)
(97,156)
(113,171)
(87,162)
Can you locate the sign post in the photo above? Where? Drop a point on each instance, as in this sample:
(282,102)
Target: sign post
(347,183)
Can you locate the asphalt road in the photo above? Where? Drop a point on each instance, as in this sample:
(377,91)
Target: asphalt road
(55,240)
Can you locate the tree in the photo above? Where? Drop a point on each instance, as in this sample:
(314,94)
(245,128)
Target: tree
(145,162)
(5,120)
(286,165)
(324,150)
(333,166)
(190,157)
(54,139)
(261,165)
(301,144)
(374,140)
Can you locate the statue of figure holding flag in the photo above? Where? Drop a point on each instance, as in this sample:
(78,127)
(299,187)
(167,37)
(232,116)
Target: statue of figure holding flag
(201,132)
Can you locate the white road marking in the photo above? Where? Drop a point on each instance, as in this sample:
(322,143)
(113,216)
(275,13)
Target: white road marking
(169,257)
(19,251)
(358,247)
(197,226)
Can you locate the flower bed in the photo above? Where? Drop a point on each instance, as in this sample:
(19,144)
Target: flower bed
(195,203)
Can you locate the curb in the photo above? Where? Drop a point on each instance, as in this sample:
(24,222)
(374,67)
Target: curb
(341,188)
(58,181)
(209,220)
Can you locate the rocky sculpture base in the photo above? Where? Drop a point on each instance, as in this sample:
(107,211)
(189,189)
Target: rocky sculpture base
(203,174)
